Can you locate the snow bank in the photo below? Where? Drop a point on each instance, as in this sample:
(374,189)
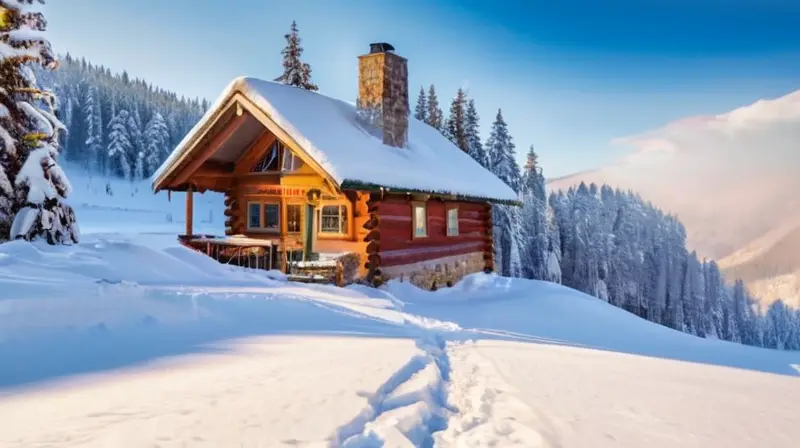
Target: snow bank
(106,205)
(135,338)
(542,312)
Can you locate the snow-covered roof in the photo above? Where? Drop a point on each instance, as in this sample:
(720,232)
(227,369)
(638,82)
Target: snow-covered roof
(328,131)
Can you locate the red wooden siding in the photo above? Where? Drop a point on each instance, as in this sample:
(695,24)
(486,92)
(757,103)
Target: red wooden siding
(399,247)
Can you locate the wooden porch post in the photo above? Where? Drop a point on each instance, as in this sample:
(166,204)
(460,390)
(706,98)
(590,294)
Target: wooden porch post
(189,210)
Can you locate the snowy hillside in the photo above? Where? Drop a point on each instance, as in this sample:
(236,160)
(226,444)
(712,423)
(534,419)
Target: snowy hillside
(129,339)
(731,179)
(132,205)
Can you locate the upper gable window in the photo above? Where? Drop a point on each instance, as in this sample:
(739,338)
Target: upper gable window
(278,158)
(270,160)
(290,161)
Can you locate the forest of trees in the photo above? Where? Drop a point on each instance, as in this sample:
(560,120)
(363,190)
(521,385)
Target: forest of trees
(605,242)
(117,126)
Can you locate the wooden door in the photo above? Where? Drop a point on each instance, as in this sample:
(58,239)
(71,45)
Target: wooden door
(309,231)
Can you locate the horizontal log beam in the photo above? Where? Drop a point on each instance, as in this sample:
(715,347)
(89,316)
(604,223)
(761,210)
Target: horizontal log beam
(396,241)
(399,258)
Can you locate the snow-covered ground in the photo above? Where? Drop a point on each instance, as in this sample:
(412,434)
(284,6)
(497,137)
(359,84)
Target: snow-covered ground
(129,339)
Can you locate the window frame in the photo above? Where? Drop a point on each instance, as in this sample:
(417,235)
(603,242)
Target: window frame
(450,208)
(296,164)
(301,218)
(262,210)
(344,211)
(282,153)
(414,206)
(275,148)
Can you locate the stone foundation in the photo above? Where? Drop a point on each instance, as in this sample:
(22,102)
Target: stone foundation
(438,272)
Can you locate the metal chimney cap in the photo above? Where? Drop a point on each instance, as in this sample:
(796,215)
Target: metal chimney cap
(380,47)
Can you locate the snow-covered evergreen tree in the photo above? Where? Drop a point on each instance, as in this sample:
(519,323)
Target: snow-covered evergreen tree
(120,148)
(94,95)
(156,138)
(435,116)
(501,153)
(535,221)
(94,129)
(421,109)
(472,131)
(507,220)
(135,134)
(32,185)
(780,329)
(295,72)
(616,239)
(455,128)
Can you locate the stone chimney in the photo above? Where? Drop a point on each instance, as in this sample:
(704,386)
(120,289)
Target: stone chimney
(383,93)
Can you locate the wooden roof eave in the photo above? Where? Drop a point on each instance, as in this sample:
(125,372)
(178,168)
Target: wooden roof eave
(264,118)
(162,181)
(361,186)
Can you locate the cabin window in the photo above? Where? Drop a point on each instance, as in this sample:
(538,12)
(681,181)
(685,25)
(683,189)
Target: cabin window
(254,215)
(290,161)
(333,219)
(270,160)
(452,221)
(263,216)
(272,216)
(278,158)
(419,217)
(294,217)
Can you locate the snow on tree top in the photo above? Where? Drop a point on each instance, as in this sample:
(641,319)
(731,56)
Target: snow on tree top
(328,130)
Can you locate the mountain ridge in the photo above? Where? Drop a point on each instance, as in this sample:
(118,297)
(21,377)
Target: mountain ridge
(730,178)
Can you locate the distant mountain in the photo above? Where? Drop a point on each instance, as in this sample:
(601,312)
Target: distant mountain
(734,180)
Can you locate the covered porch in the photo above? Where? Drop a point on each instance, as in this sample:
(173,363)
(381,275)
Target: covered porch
(265,254)
(281,210)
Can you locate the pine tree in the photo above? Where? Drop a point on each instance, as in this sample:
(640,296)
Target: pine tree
(295,72)
(472,131)
(500,151)
(32,185)
(435,115)
(135,135)
(156,138)
(509,240)
(455,129)
(94,129)
(535,222)
(120,147)
(421,109)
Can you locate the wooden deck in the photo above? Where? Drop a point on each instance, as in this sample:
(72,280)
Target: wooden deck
(269,254)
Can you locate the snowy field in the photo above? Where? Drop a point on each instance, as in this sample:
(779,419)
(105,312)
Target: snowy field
(131,340)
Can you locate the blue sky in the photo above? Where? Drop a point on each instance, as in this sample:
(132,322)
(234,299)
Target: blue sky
(569,75)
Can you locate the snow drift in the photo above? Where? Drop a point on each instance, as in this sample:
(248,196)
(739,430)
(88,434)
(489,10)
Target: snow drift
(103,339)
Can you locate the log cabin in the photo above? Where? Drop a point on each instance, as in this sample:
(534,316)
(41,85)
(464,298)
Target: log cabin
(307,174)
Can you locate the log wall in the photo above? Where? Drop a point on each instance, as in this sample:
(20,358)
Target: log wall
(431,261)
